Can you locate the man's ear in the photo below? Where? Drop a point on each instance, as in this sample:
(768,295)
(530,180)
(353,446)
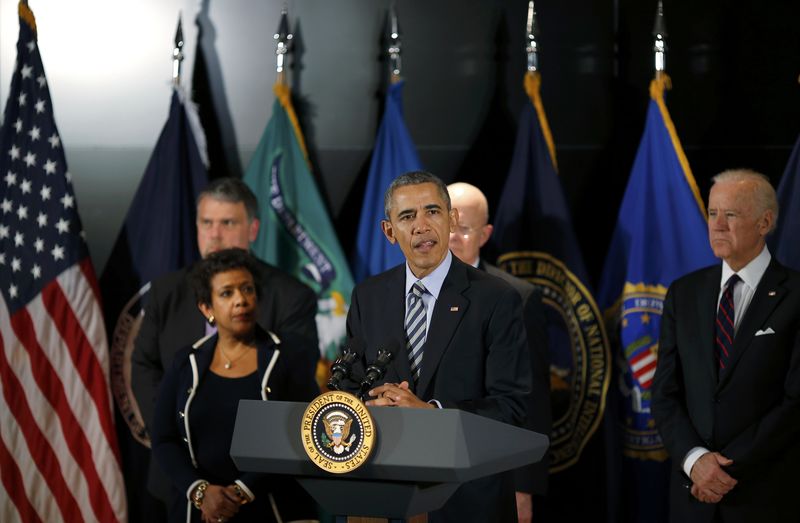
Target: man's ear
(486,233)
(252,231)
(453,219)
(767,222)
(388,231)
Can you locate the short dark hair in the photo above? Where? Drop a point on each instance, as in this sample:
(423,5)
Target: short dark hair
(232,190)
(414,178)
(225,260)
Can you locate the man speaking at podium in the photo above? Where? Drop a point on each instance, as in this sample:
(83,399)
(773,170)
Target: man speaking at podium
(457,333)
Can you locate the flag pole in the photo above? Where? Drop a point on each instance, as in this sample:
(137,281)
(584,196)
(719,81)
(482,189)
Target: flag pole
(395,46)
(660,43)
(531,35)
(283,37)
(533,79)
(177,54)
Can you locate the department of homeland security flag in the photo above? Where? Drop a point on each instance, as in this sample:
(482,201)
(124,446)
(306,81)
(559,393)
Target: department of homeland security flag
(394,154)
(661,234)
(296,233)
(59,459)
(533,234)
(784,243)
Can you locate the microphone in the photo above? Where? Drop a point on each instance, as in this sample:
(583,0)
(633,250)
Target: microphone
(376,370)
(343,365)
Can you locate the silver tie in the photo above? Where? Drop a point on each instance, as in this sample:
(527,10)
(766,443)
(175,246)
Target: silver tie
(416,325)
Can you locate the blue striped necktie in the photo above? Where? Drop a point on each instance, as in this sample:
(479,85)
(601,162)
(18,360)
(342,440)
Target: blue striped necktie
(724,323)
(416,326)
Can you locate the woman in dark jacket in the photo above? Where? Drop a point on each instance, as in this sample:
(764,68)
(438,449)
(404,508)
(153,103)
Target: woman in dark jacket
(199,397)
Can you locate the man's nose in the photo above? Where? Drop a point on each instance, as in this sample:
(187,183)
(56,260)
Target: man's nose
(421,224)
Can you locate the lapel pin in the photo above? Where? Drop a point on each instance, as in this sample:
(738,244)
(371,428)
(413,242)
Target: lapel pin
(454,308)
(772,293)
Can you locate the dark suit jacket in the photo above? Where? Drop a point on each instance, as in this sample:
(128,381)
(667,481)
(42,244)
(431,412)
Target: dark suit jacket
(287,380)
(172,320)
(750,412)
(533,478)
(475,359)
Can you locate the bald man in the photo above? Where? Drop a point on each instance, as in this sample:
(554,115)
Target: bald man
(472,232)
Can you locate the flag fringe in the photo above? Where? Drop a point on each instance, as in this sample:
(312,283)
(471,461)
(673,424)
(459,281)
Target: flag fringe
(533,82)
(657,86)
(284,95)
(26,14)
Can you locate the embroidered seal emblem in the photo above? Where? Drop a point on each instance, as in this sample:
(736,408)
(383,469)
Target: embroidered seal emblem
(337,431)
(125,332)
(580,356)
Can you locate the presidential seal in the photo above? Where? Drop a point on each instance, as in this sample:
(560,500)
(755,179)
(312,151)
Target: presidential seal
(580,356)
(338,432)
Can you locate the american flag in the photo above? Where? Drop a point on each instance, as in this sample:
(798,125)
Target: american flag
(59,459)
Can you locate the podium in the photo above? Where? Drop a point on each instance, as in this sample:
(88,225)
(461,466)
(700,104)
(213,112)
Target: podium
(421,456)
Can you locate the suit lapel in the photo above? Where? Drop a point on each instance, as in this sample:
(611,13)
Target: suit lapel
(394,301)
(707,314)
(447,314)
(767,296)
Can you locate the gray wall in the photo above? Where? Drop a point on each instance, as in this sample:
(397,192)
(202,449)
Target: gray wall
(108,64)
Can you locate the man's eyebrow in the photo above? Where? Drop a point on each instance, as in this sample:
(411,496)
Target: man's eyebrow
(433,206)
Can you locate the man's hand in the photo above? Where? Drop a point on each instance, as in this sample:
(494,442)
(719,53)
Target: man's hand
(710,481)
(524,507)
(396,395)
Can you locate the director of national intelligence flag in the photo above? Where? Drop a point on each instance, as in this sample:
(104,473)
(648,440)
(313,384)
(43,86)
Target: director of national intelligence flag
(533,234)
(661,234)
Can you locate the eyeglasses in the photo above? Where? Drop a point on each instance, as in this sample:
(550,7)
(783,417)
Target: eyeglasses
(466,232)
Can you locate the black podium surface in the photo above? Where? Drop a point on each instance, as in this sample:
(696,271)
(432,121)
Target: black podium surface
(420,456)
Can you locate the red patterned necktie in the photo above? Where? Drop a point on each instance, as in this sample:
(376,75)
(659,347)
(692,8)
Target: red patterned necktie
(724,324)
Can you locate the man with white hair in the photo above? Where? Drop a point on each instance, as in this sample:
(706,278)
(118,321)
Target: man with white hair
(472,232)
(726,395)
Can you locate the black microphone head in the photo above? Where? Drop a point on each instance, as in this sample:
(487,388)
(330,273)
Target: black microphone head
(384,357)
(342,366)
(377,369)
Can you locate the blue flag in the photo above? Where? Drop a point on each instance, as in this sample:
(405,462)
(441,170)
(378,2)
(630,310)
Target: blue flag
(158,236)
(394,155)
(536,241)
(661,234)
(784,243)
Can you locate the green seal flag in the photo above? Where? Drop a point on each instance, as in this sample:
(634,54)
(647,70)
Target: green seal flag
(296,233)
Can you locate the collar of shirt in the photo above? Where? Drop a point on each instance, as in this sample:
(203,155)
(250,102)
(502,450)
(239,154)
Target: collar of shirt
(743,293)
(433,281)
(751,273)
(477,263)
